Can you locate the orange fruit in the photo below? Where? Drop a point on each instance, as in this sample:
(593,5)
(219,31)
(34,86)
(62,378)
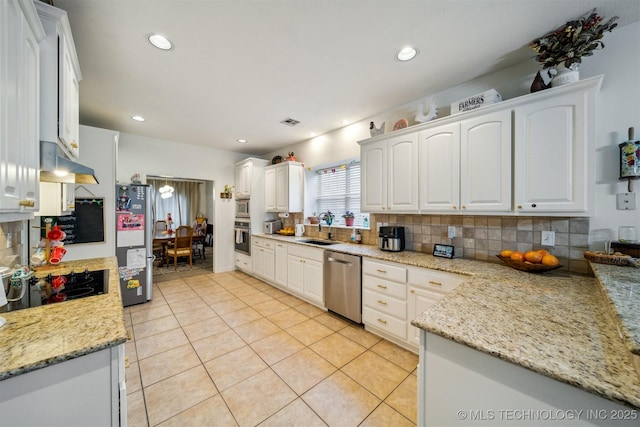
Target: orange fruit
(517,256)
(550,260)
(534,257)
(506,253)
(543,251)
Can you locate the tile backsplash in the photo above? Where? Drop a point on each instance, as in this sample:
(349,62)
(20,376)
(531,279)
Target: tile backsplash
(479,237)
(11,243)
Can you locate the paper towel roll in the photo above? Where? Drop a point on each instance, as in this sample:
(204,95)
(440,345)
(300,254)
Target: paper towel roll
(284,215)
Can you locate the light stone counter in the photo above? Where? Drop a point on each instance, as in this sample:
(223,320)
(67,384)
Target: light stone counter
(555,323)
(41,336)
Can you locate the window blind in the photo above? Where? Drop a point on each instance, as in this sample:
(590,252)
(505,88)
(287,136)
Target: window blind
(339,191)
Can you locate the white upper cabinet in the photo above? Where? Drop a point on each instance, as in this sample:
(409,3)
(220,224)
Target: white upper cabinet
(466,166)
(485,163)
(284,187)
(553,142)
(20,31)
(59,82)
(440,168)
(390,175)
(243,179)
(529,155)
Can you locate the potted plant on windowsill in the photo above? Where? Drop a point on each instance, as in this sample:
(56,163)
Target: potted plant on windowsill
(349,218)
(314,219)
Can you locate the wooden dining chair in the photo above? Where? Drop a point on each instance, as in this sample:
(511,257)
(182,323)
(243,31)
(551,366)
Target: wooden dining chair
(158,248)
(182,246)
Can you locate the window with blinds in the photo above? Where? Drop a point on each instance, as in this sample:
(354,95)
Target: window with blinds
(338,191)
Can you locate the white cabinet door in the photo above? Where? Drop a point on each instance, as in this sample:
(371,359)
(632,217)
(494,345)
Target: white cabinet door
(402,174)
(19,112)
(485,163)
(243,179)
(30,113)
(313,280)
(373,188)
(419,301)
(551,155)
(270,190)
(69,98)
(439,151)
(268,264)
(281,264)
(282,189)
(295,273)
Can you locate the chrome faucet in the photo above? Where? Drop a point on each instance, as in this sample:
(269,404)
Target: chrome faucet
(323,216)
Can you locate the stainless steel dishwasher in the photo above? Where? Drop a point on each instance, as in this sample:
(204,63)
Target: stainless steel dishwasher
(343,284)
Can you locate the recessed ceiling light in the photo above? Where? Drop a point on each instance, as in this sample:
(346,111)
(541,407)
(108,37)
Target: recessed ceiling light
(161,42)
(138,118)
(242,141)
(406,53)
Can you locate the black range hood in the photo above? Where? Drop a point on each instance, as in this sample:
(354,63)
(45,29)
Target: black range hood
(51,164)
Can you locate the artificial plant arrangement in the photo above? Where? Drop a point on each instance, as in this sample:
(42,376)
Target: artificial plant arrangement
(575,39)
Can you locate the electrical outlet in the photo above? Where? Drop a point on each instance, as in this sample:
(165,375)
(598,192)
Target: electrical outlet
(451,231)
(548,238)
(626,201)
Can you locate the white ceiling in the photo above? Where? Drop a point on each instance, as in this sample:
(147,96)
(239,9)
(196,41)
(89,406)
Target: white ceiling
(239,67)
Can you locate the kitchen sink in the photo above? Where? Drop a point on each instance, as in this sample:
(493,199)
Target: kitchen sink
(318,242)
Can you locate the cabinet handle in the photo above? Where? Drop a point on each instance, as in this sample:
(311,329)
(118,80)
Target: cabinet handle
(382,302)
(463,207)
(126,362)
(382,286)
(27,203)
(382,271)
(413,291)
(128,335)
(519,206)
(454,207)
(74,144)
(384,322)
(435,283)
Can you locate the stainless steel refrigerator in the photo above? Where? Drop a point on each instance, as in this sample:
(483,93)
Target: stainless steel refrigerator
(134,242)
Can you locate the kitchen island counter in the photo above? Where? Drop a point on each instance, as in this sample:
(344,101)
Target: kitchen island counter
(38,337)
(556,323)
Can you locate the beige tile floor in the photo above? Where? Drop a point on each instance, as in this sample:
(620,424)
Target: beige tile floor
(228,349)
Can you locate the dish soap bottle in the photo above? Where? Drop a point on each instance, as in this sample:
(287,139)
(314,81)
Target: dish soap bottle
(353,236)
(358,237)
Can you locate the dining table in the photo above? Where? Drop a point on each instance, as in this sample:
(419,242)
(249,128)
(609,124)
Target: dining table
(165,237)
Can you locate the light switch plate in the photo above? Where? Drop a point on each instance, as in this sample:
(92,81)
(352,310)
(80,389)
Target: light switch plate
(626,201)
(548,238)
(451,231)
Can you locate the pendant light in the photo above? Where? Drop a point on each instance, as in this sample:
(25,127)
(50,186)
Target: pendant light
(166,191)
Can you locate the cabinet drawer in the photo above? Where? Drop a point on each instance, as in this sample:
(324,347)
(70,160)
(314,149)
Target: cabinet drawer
(309,253)
(385,304)
(385,271)
(385,287)
(435,280)
(384,322)
(268,244)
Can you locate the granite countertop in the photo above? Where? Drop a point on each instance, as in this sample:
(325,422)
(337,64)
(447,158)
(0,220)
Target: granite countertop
(38,337)
(621,286)
(555,323)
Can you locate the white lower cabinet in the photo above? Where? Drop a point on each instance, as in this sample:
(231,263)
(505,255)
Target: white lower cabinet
(395,294)
(384,298)
(243,262)
(426,287)
(85,391)
(263,258)
(305,273)
(281,264)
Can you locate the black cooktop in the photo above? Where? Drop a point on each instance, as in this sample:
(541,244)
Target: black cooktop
(76,285)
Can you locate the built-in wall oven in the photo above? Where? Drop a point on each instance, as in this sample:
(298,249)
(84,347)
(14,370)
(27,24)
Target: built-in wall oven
(242,208)
(242,235)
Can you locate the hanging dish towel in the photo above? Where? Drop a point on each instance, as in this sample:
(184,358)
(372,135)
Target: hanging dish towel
(239,238)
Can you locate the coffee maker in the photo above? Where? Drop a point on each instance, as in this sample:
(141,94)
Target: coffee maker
(391,239)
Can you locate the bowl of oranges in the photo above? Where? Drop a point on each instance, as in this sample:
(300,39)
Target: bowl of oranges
(535,261)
